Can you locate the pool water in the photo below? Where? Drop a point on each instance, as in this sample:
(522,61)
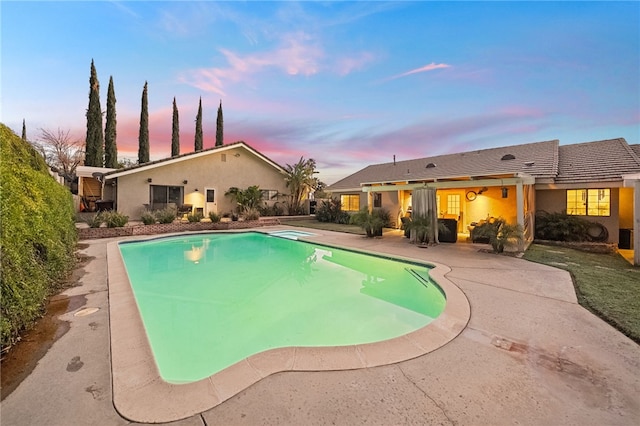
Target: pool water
(292,235)
(208,301)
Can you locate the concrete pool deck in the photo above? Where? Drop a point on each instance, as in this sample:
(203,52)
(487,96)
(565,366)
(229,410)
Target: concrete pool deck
(529,355)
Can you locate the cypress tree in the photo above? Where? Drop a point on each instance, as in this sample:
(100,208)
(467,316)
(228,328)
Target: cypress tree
(110,148)
(94,151)
(143,135)
(198,141)
(24,130)
(219,126)
(175,132)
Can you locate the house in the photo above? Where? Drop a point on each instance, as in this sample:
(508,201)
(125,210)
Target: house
(594,180)
(197,179)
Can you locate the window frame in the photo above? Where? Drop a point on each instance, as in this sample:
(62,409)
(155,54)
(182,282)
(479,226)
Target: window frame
(348,206)
(579,202)
(169,196)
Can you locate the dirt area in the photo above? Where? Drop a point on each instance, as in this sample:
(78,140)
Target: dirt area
(20,360)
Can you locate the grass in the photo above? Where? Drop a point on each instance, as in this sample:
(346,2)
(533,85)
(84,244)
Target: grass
(606,284)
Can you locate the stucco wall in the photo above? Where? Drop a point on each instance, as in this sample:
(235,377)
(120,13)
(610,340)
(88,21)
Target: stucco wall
(209,171)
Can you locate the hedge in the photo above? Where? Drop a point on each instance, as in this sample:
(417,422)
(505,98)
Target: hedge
(37,235)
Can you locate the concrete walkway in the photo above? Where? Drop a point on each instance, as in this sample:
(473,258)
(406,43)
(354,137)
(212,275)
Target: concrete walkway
(529,355)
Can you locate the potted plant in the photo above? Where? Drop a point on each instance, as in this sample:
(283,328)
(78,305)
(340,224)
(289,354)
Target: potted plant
(507,234)
(372,223)
(421,229)
(498,233)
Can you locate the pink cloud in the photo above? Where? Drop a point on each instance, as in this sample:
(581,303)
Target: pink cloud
(354,63)
(430,67)
(296,55)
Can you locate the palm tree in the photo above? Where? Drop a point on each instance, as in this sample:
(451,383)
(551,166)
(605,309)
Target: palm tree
(248,200)
(300,181)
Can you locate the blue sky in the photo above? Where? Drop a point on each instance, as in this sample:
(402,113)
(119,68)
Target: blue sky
(346,83)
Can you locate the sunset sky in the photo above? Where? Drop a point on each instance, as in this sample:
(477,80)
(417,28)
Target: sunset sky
(346,83)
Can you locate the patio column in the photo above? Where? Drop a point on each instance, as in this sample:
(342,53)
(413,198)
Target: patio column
(636,223)
(520,203)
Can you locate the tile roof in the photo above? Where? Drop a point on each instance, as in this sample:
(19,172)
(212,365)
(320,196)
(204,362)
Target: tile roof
(182,157)
(538,159)
(605,161)
(636,149)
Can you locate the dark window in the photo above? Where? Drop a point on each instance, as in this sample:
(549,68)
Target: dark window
(211,195)
(377,200)
(163,195)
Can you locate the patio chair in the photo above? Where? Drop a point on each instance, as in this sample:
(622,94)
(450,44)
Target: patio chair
(184,209)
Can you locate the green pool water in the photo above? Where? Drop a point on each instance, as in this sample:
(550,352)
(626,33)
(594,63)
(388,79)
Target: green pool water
(208,301)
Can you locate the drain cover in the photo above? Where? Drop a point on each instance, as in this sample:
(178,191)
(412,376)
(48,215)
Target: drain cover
(86,311)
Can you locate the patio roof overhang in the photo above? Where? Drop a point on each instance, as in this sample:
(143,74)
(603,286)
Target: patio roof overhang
(451,182)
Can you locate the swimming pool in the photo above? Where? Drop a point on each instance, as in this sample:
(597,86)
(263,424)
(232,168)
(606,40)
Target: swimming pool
(208,301)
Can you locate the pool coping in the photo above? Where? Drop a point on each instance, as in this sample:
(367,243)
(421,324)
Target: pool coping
(140,394)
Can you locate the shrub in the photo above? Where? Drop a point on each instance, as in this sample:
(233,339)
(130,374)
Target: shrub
(331,211)
(562,227)
(113,219)
(274,210)
(166,215)
(372,222)
(214,217)
(252,214)
(148,218)
(37,237)
(94,221)
(194,217)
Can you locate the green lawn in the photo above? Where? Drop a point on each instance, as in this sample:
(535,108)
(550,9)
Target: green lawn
(606,284)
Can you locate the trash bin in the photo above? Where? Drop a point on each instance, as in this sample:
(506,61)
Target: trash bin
(625,240)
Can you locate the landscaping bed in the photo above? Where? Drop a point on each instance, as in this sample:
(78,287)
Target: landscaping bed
(176,226)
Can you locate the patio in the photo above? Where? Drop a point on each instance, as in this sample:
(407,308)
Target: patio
(529,355)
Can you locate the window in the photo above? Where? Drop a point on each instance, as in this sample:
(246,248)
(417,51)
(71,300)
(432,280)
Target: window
(589,202)
(211,195)
(161,194)
(269,194)
(453,204)
(377,199)
(350,203)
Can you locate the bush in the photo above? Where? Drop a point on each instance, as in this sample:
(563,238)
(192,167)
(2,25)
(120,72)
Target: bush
(252,214)
(166,215)
(274,210)
(214,217)
(194,217)
(37,238)
(148,218)
(331,211)
(113,219)
(563,227)
(94,221)
(372,222)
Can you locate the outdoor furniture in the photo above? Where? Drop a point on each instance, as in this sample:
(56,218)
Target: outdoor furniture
(184,209)
(451,236)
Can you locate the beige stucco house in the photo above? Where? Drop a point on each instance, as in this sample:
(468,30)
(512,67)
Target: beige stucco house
(199,179)
(595,180)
